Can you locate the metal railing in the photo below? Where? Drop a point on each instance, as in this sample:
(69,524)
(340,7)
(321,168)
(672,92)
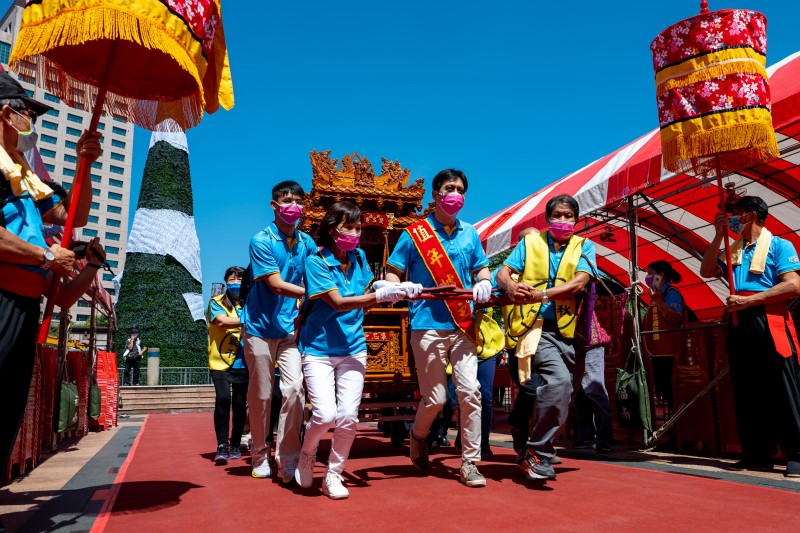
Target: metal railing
(178,375)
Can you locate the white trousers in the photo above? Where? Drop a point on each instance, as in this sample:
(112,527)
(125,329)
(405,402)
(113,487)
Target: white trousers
(261,354)
(334,386)
(432,350)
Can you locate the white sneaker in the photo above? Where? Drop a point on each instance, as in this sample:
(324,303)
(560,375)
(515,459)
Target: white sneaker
(304,475)
(286,472)
(334,487)
(262,470)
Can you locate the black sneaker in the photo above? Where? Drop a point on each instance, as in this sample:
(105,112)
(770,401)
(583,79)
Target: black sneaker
(602,447)
(535,466)
(792,469)
(486,450)
(519,438)
(235,453)
(222,455)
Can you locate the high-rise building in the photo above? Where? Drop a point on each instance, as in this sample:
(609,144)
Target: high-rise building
(110,177)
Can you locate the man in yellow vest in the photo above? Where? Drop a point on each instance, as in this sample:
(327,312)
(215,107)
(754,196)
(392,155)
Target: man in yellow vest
(553,267)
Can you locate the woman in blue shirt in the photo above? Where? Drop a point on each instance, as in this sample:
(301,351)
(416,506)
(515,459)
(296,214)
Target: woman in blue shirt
(332,341)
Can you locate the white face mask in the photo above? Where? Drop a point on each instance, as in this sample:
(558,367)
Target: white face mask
(27,141)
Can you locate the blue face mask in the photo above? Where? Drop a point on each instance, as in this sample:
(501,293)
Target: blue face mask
(735,224)
(233,288)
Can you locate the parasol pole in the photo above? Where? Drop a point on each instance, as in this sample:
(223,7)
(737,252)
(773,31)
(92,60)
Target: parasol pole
(77,188)
(728,264)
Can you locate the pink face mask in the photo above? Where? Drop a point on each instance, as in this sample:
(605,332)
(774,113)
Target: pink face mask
(451,203)
(347,241)
(560,230)
(290,213)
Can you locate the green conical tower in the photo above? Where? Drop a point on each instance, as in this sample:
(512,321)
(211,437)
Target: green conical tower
(161,287)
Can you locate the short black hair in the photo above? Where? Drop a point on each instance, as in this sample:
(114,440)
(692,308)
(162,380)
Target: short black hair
(665,268)
(561,199)
(751,203)
(449,174)
(287,187)
(233,270)
(337,213)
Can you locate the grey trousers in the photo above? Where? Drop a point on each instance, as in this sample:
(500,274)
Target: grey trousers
(554,362)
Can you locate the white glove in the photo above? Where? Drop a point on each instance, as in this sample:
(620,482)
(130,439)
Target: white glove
(381,283)
(413,290)
(482,291)
(390,293)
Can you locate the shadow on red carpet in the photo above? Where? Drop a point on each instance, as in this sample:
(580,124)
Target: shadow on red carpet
(172,485)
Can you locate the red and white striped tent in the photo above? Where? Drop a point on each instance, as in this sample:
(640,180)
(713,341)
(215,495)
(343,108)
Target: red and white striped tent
(672,213)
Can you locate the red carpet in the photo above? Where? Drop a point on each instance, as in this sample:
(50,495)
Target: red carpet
(170,484)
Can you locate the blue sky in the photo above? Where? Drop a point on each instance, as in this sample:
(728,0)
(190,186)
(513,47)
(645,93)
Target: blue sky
(516,94)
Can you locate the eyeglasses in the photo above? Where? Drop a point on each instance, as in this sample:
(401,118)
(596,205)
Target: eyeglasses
(30,114)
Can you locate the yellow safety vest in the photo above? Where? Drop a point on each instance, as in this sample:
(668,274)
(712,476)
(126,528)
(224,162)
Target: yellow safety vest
(520,318)
(222,343)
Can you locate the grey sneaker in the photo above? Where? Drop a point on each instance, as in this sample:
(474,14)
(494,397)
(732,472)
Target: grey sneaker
(304,475)
(470,475)
(418,450)
(235,453)
(221,458)
(286,472)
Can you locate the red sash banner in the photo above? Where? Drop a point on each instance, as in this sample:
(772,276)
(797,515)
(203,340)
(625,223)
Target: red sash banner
(443,273)
(781,326)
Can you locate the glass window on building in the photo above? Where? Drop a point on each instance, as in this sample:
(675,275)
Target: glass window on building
(66,184)
(47,153)
(73,131)
(95,205)
(46,124)
(114,196)
(112,236)
(96,179)
(112,250)
(112,263)
(48,139)
(120,119)
(51,97)
(117,170)
(117,144)
(117,157)
(28,79)
(101,126)
(71,144)
(97,165)
(68,172)
(89,232)
(70,158)
(84,303)
(115,183)
(95,192)
(114,209)
(53,113)
(118,131)
(107,277)
(94,218)
(113,223)
(82,318)
(74,118)
(111,290)
(49,167)
(5,53)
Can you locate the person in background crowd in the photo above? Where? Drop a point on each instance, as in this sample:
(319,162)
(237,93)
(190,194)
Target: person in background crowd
(226,364)
(761,341)
(332,341)
(666,311)
(132,357)
(26,203)
(277,257)
(556,266)
(443,250)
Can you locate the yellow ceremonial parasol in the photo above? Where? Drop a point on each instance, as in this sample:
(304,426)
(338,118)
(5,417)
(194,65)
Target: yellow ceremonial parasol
(713,96)
(145,61)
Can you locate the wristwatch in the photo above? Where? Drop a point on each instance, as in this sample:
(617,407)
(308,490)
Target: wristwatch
(49,257)
(545,299)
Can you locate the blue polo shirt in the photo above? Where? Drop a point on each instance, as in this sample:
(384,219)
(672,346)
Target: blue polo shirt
(672,298)
(516,262)
(781,258)
(22,216)
(463,246)
(327,332)
(266,314)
